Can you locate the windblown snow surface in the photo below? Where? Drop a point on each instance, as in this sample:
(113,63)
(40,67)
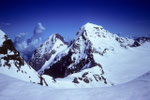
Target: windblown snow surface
(13,89)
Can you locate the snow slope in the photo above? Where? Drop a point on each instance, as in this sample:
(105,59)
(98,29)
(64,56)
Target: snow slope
(124,65)
(13,89)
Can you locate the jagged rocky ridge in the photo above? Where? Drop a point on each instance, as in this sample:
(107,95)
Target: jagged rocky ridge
(12,64)
(47,51)
(139,41)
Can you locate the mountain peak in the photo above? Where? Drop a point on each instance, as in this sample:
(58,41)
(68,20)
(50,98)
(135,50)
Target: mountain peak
(89,29)
(47,51)
(89,26)
(58,36)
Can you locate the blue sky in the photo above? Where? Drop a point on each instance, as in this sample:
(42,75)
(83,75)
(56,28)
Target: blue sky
(128,17)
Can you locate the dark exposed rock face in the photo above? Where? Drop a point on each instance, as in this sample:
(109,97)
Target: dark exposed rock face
(37,62)
(58,69)
(5,48)
(89,79)
(75,80)
(42,81)
(139,41)
(61,38)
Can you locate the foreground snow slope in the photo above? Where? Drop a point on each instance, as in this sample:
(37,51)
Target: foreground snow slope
(13,89)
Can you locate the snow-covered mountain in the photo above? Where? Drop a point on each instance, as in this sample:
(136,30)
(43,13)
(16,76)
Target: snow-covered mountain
(97,56)
(94,58)
(91,43)
(12,64)
(47,52)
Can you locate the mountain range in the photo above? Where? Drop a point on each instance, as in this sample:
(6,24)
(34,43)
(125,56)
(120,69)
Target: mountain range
(94,58)
(95,55)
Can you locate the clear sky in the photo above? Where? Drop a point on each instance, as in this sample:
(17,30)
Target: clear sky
(128,17)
